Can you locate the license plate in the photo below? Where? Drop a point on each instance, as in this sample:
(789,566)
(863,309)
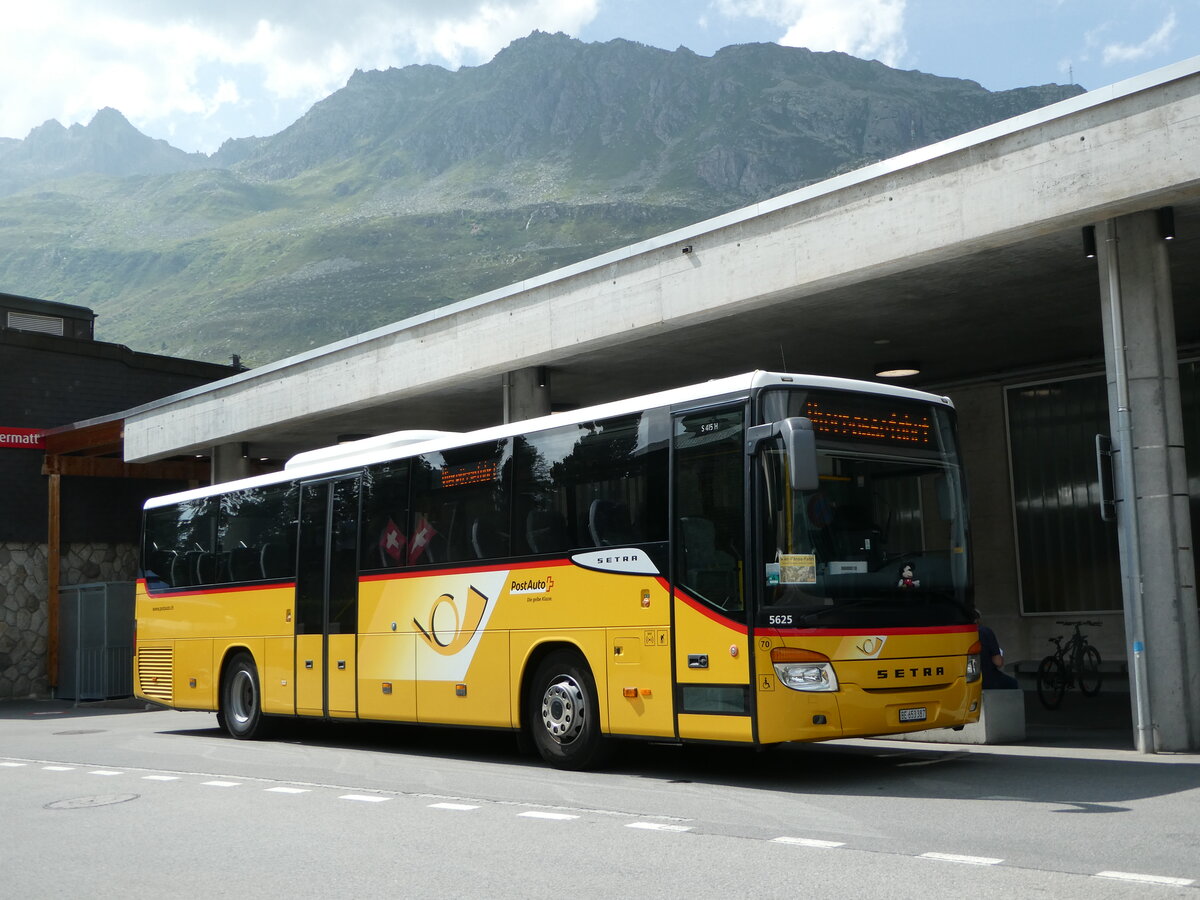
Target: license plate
(916,714)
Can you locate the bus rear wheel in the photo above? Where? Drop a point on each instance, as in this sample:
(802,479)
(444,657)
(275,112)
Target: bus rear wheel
(563,714)
(240,712)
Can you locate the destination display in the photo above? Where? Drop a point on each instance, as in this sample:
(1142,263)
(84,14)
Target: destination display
(850,418)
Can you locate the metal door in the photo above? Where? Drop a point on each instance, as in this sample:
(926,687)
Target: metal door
(327,599)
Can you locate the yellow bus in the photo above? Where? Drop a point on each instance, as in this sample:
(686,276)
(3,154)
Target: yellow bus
(753,560)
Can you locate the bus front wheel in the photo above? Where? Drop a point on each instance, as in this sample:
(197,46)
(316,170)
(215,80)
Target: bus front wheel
(240,711)
(563,713)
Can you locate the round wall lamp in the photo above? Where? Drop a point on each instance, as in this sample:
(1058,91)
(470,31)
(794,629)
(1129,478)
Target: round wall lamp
(901,369)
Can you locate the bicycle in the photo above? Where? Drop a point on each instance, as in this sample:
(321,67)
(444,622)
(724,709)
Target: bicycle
(1075,663)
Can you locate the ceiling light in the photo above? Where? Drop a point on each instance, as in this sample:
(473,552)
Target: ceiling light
(901,369)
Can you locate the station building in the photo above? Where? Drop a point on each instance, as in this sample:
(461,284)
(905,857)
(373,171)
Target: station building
(1044,272)
(54,376)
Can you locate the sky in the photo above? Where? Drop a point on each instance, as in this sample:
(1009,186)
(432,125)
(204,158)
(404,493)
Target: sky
(197,72)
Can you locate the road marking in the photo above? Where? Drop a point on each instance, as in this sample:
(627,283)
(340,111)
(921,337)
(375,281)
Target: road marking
(1146,879)
(658,826)
(160,778)
(969,860)
(11,765)
(808,842)
(105,772)
(537,814)
(287,790)
(222,783)
(58,768)
(461,807)
(365,798)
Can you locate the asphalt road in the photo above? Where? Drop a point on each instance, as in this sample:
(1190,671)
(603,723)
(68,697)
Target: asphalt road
(108,802)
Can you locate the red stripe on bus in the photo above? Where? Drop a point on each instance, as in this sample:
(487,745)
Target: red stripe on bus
(217,589)
(699,607)
(853,632)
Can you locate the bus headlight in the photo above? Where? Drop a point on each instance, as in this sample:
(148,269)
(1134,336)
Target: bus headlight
(974,663)
(803,670)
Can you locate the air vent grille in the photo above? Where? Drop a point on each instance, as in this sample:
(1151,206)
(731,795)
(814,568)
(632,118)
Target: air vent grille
(155,669)
(41,324)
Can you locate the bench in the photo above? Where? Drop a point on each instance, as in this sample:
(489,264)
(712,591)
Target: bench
(1001,721)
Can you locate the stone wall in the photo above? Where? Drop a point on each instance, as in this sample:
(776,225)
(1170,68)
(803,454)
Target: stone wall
(23,608)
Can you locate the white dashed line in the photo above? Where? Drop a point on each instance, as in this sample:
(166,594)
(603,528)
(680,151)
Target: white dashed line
(1135,877)
(1146,879)
(968,860)
(808,842)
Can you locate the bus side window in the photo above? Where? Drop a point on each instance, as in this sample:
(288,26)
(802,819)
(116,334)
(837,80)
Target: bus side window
(460,504)
(385,541)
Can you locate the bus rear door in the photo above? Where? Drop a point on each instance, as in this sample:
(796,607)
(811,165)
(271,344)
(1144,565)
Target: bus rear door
(327,599)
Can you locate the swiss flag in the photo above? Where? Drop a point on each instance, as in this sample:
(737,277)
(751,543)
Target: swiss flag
(420,542)
(392,541)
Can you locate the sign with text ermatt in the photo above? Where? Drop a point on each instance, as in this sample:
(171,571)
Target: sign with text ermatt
(28,438)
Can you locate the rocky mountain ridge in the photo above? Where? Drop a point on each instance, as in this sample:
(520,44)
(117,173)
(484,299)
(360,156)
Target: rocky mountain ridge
(411,188)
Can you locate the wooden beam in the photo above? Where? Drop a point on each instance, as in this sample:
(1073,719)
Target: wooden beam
(53,564)
(90,437)
(104,467)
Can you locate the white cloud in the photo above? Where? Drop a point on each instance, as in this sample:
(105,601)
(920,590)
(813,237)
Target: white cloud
(872,29)
(1156,43)
(161,63)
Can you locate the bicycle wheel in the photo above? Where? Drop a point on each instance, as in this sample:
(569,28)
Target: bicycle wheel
(1087,670)
(1051,682)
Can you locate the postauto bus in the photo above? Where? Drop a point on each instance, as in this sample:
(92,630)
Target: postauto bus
(753,560)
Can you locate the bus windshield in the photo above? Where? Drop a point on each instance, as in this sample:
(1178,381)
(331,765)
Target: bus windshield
(882,541)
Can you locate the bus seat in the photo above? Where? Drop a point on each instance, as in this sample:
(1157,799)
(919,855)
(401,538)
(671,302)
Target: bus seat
(274,562)
(608,522)
(244,564)
(546,531)
(488,538)
(206,568)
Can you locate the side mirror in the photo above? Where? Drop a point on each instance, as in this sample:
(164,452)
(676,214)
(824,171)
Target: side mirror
(800,442)
(800,445)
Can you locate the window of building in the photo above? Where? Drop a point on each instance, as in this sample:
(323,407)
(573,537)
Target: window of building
(1067,556)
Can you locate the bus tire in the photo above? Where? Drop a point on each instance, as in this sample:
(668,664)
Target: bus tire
(240,712)
(563,714)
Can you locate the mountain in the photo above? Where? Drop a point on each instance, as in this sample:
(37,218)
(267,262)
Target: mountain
(412,188)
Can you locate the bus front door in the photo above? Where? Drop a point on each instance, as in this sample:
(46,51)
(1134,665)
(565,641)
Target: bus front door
(327,599)
(712,656)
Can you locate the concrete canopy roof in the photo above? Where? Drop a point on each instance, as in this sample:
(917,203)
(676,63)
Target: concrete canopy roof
(965,255)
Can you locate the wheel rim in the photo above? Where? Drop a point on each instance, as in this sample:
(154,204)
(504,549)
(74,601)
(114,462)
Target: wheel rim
(243,698)
(564,709)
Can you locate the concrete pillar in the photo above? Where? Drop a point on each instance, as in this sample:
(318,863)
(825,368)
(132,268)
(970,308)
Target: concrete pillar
(229,463)
(1154,527)
(526,394)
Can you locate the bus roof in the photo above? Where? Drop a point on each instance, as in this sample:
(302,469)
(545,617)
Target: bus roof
(403,444)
